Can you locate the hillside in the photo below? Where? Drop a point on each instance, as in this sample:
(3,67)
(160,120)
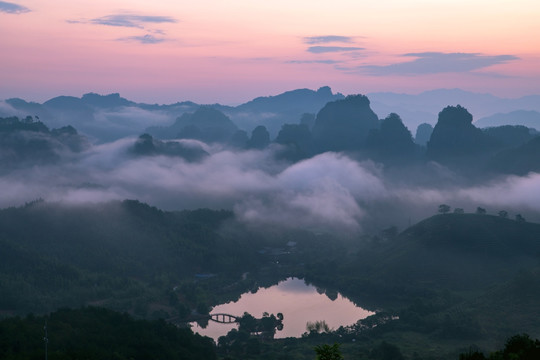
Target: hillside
(444,277)
(461,251)
(124,255)
(489,264)
(29,143)
(519,160)
(111,117)
(206,124)
(451,253)
(450,280)
(93,333)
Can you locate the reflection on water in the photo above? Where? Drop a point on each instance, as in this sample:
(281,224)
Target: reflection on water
(298,302)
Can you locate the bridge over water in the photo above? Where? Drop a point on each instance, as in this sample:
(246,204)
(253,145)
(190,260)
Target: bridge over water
(224,318)
(220,318)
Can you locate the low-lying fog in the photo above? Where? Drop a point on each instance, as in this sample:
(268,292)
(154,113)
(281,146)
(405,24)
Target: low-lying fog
(329,192)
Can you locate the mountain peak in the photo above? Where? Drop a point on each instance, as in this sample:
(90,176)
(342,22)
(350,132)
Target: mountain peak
(325,90)
(110,100)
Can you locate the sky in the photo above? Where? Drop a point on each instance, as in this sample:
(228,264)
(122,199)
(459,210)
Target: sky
(232,51)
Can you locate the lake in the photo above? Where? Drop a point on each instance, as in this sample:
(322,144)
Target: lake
(297,301)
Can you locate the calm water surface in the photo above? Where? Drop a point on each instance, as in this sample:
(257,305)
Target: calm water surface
(298,302)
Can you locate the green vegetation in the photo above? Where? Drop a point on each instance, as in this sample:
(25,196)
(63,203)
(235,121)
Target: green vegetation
(518,160)
(328,352)
(448,281)
(129,256)
(518,347)
(125,255)
(96,334)
(452,282)
(440,282)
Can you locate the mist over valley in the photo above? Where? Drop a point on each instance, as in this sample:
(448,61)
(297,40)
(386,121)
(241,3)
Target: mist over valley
(164,211)
(333,168)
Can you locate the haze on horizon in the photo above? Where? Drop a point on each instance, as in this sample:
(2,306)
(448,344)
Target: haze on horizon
(229,52)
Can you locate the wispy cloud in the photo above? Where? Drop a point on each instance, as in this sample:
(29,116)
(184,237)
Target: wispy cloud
(136,21)
(437,62)
(12,8)
(327,39)
(143,39)
(332,49)
(312,62)
(131,20)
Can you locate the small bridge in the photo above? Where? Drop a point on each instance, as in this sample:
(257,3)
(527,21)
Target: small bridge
(219,318)
(224,318)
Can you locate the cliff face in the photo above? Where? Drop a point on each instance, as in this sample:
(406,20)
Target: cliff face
(455,136)
(344,124)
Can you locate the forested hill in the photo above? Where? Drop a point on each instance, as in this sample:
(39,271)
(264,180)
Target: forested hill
(55,255)
(460,253)
(93,333)
(443,278)
(451,279)
(477,233)
(462,250)
(124,237)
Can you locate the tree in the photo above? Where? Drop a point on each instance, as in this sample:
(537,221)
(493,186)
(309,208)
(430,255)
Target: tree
(247,323)
(472,355)
(518,347)
(520,218)
(459,211)
(269,323)
(503,214)
(319,326)
(328,352)
(480,211)
(443,208)
(521,347)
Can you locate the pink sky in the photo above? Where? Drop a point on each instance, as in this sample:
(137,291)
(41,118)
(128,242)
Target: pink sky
(231,51)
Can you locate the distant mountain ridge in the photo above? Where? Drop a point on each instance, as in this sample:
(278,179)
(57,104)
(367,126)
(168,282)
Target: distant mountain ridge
(206,124)
(110,117)
(528,118)
(300,99)
(424,107)
(284,108)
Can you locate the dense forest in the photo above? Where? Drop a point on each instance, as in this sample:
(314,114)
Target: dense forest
(97,333)
(438,285)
